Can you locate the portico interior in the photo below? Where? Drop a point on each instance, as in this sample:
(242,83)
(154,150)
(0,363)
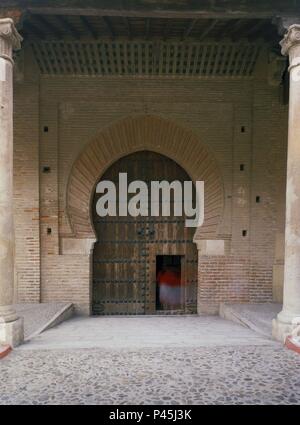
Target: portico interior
(207,87)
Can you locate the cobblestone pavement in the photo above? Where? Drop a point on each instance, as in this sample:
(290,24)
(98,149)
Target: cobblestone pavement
(220,375)
(150,360)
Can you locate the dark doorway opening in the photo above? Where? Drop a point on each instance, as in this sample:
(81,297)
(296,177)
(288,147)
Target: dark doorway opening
(169,294)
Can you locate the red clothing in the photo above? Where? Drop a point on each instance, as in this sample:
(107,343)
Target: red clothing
(169,278)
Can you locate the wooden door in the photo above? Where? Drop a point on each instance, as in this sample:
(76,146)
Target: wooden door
(125,255)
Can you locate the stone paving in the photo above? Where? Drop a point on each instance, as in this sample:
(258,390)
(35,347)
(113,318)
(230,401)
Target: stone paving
(257,317)
(223,372)
(37,316)
(135,332)
(222,375)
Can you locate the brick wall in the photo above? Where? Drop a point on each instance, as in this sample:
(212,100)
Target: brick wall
(26,183)
(240,121)
(222,279)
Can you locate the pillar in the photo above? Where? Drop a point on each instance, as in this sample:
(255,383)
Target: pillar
(289,317)
(11,327)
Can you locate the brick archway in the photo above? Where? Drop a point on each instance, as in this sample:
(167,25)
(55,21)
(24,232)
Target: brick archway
(133,134)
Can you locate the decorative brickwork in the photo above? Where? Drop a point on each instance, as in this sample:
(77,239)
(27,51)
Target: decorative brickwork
(69,130)
(145,132)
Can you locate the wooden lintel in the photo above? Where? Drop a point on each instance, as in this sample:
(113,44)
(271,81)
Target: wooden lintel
(184,14)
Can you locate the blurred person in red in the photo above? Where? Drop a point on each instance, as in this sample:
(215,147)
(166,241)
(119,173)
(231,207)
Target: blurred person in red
(169,283)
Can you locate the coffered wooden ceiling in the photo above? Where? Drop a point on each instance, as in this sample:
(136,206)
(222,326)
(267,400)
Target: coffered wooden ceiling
(79,27)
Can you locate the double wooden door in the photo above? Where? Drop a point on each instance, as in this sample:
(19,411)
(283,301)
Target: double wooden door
(127,248)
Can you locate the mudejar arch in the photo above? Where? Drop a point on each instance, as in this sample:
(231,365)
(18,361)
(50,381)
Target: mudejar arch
(135,134)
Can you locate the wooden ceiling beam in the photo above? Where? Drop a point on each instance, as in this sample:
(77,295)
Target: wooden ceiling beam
(167,27)
(189,28)
(235,27)
(44,23)
(88,26)
(183,14)
(109,26)
(148,25)
(33,30)
(208,29)
(128,26)
(223,32)
(254,27)
(64,21)
(268,33)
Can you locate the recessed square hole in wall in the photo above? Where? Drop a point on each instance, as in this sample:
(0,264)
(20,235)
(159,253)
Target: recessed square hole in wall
(46,129)
(46,169)
(244,232)
(257,199)
(49,230)
(243,129)
(242,167)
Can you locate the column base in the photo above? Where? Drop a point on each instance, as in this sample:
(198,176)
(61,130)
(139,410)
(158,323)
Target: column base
(283,326)
(12,333)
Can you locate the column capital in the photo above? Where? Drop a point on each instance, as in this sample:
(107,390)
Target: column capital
(291,39)
(9,38)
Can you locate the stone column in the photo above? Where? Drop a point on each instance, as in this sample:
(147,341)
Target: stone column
(11,327)
(289,317)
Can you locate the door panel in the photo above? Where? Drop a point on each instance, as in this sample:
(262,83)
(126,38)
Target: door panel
(124,257)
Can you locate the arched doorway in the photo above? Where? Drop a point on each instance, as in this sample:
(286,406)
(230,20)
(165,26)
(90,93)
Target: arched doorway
(133,134)
(131,252)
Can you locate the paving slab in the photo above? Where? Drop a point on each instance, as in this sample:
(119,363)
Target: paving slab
(150,360)
(38,317)
(144,332)
(257,317)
